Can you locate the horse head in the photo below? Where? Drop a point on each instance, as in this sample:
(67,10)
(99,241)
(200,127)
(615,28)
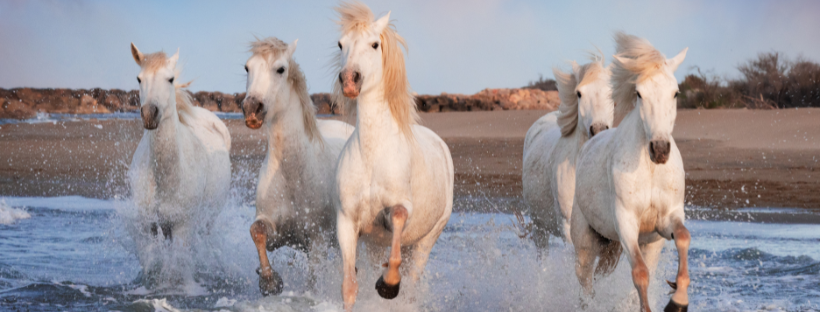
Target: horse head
(269,76)
(157,89)
(654,90)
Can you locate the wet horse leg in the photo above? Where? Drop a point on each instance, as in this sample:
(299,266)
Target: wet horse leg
(388,285)
(421,251)
(628,234)
(269,281)
(587,250)
(348,239)
(651,254)
(680,300)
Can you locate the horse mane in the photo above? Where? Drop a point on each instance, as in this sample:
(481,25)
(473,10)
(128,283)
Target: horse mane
(154,61)
(272,48)
(356,16)
(185,104)
(635,60)
(567,87)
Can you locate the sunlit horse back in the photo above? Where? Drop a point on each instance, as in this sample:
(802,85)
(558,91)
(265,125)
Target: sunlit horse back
(293,197)
(630,180)
(180,174)
(553,143)
(395,178)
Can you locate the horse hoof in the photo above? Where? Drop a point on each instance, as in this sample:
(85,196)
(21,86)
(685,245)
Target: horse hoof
(675,307)
(271,285)
(387,291)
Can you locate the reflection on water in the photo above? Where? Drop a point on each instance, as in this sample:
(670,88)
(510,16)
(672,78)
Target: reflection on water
(74,254)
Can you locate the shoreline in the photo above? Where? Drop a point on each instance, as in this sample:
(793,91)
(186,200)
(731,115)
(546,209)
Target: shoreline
(733,158)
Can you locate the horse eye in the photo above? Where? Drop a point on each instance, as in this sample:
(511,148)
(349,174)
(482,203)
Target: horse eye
(281,70)
(639,95)
(578,93)
(246,68)
(340,45)
(139,80)
(171,80)
(375,45)
(676,94)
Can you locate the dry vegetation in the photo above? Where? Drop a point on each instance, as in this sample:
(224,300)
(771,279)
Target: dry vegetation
(768,82)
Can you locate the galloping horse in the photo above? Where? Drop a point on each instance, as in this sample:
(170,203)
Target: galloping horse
(630,180)
(553,142)
(293,196)
(180,174)
(395,178)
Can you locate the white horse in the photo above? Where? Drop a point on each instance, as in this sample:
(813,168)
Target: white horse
(395,178)
(293,196)
(180,174)
(553,142)
(630,180)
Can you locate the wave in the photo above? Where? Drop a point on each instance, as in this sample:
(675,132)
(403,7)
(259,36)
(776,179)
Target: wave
(9,215)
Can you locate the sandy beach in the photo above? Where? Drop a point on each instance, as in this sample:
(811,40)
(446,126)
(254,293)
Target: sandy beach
(733,158)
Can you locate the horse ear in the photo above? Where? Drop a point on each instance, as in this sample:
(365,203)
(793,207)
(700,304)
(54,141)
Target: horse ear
(291,48)
(172,61)
(138,57)
(380,24)
(674,62)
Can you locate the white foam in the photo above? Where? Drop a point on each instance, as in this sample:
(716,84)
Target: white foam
(9,215)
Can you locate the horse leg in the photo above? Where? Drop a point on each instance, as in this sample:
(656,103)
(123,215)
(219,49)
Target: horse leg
(348,238)
(316,254)
(652,253)
(269,281)
(680,300)
(628,235)
(587,249)
(422,249)
(388,285)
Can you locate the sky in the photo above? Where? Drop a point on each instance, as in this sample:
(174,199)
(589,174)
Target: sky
(459,46)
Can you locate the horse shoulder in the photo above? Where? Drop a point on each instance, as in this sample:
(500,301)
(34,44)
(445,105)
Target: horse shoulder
(210,130)
(541,126)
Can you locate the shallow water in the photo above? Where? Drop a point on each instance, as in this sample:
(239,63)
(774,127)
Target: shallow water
(74,254)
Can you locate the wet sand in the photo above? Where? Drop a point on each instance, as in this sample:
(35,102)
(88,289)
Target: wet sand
(733,158)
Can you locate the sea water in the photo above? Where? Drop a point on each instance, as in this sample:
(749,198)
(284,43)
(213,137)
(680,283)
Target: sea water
(76,254)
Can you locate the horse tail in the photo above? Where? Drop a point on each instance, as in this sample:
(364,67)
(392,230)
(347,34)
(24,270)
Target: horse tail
(608,257)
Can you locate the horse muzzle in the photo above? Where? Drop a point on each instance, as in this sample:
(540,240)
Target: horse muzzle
(254,112)
(351,83)
(659,151)
(597,128)
(150,116)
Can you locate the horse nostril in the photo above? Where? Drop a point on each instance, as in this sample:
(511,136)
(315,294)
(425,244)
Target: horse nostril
(591,130)
(341,80)
(356,77)
(259,108)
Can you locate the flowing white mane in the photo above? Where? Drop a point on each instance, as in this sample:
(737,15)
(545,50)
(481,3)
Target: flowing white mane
(567,85)
(644,62)
(357,16)
(271,48)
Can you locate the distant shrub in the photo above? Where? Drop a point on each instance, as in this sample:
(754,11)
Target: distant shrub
(770,81)
(542,84)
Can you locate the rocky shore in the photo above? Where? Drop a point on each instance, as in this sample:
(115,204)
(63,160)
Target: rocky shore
(24,103)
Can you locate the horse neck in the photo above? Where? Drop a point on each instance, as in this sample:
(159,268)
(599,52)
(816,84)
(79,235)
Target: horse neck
(286,129)
(579,135)
(165,148)
(374,121)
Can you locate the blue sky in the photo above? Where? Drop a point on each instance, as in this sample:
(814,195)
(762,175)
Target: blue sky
(455,46)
